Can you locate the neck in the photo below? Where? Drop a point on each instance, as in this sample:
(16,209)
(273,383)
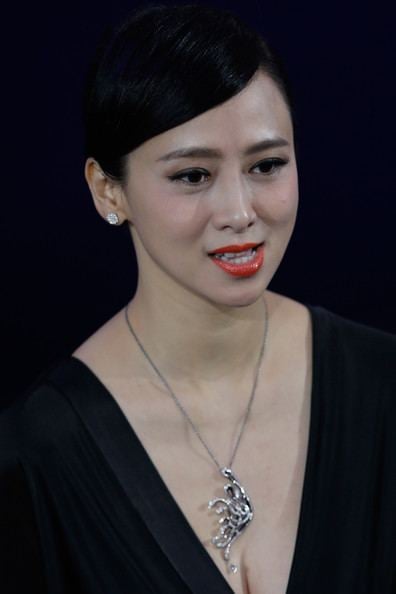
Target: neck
(192,340)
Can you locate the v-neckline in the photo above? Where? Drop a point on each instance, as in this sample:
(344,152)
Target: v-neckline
(123,450)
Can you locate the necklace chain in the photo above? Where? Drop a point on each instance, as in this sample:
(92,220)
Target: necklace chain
(181,407)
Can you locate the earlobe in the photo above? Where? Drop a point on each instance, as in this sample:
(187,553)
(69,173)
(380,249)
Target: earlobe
(107,194)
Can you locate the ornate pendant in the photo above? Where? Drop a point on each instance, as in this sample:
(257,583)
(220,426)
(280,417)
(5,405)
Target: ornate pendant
(236,513)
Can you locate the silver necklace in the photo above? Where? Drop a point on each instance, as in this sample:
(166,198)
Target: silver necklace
(235,510)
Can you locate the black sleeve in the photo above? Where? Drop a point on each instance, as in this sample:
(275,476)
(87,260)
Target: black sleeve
(20,555)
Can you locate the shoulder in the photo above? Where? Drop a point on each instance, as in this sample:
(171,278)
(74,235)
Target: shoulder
(347,356)
(43,418)
(359,343)
(355,371)
(331,329)
(27,430)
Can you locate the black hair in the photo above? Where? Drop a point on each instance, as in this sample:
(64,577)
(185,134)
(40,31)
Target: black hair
(162,67)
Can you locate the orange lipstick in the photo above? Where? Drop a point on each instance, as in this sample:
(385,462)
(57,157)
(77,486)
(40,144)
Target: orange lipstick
(239,260)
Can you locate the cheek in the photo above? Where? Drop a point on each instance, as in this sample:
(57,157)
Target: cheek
(279,207)
(168,217)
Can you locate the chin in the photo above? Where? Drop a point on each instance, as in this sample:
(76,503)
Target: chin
(241,297)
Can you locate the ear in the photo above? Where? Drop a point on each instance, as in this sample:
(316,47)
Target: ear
(107,194)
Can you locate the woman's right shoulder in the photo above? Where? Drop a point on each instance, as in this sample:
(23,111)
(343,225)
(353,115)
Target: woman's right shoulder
(37,419)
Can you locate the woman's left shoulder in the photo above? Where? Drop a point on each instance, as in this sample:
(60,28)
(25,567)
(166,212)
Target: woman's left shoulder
(352,349)
(353,337)
(358,361)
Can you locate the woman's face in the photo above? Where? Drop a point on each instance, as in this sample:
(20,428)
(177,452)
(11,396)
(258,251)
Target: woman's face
(225,178)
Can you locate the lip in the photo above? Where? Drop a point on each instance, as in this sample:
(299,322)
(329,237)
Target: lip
(234,249)
(247,268)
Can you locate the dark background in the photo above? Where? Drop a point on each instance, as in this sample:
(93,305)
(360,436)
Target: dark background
(64,271)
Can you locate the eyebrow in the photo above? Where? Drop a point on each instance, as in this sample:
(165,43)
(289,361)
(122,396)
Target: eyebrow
(209,153)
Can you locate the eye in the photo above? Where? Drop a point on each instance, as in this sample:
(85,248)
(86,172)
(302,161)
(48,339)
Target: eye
(270,166)
(191,177)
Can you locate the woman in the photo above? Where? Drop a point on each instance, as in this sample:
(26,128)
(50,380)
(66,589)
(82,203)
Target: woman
(212,436)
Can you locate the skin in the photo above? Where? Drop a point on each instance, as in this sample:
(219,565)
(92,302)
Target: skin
(203,328)
(174,223)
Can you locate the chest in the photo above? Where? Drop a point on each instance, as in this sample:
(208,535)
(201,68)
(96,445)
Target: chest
(270,465)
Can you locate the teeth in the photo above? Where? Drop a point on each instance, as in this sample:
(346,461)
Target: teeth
(238,254)
(237,258)
(235,255)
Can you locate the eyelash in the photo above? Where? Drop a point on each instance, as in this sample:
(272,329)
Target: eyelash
(274,163)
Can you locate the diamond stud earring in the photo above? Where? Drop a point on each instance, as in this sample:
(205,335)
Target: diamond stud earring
(112,218)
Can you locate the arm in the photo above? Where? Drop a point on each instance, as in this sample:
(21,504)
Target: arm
(20,555)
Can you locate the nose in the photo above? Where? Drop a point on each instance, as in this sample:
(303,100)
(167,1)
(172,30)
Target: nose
(233,206)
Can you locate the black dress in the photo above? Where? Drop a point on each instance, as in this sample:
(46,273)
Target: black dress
(83,509)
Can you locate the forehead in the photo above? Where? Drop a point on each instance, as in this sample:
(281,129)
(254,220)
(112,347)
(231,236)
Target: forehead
(258,111)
